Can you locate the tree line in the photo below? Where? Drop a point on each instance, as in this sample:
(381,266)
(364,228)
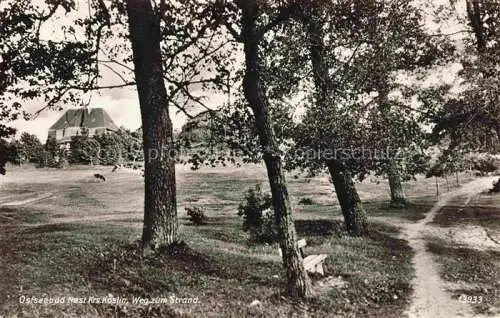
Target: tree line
(122,147)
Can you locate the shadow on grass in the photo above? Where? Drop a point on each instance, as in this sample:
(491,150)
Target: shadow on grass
(210,221)
(179,269)
(232,232)
(13,215)
(450,215)
(55,227)
(412,211)
(313,228)
(75,196)
(319,227)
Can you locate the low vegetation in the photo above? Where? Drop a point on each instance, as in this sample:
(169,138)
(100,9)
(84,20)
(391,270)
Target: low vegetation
(258,217)
(306,201)
(196,215)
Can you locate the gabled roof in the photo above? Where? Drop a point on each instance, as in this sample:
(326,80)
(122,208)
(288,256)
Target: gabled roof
(89,118)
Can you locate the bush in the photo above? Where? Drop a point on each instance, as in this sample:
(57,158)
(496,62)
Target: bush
(258,216)
(196,215)
(306,201)
(268,231)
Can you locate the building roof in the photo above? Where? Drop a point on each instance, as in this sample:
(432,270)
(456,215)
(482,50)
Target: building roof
(88,118)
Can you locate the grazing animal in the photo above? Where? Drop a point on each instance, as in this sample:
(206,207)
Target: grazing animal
(99,177)
(114,168)
(496,187)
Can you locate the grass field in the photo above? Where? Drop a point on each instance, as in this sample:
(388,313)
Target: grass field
(82,241)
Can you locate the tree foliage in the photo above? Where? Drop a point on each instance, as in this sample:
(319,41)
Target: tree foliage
(371,117)
(31,148)
(471,119)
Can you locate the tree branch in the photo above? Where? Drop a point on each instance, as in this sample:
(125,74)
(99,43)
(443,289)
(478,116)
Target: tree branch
(283,14)
(236,35)
(115,72)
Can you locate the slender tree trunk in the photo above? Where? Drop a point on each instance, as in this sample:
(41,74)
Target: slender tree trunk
(398,198)
(160,208)
(298,281)
(476,22)
(350,203)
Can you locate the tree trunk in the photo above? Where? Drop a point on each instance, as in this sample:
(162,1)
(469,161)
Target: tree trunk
(160,207)
(398,198)
(350,203)
(298,281)
(476,22)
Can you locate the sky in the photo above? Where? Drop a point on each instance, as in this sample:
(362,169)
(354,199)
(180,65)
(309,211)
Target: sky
(123,108)
(122,104)
(124,111)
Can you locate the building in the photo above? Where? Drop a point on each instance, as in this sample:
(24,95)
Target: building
(81,122)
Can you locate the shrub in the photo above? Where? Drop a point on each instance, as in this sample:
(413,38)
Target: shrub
(258,216)
(268,230)
(196,215)
(306,201)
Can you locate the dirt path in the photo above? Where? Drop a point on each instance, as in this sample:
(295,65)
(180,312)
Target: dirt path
(431,300)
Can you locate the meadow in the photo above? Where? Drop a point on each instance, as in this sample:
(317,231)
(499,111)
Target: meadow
(81,240)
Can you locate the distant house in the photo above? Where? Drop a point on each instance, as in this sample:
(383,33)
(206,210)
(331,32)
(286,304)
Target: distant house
(81,122)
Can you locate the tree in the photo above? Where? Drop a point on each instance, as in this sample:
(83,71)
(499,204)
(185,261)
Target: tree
(160,216)
(15,152)
(251,35)
(168,42)
(131,144)
(4,157)
(350,203)
(8,112)
(9,152)
(400,123)
(84,150)
(471,119)
(360,58)
(5,132)
(31,148)
(51,151)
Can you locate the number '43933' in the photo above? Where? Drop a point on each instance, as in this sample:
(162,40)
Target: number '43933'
(471,299)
